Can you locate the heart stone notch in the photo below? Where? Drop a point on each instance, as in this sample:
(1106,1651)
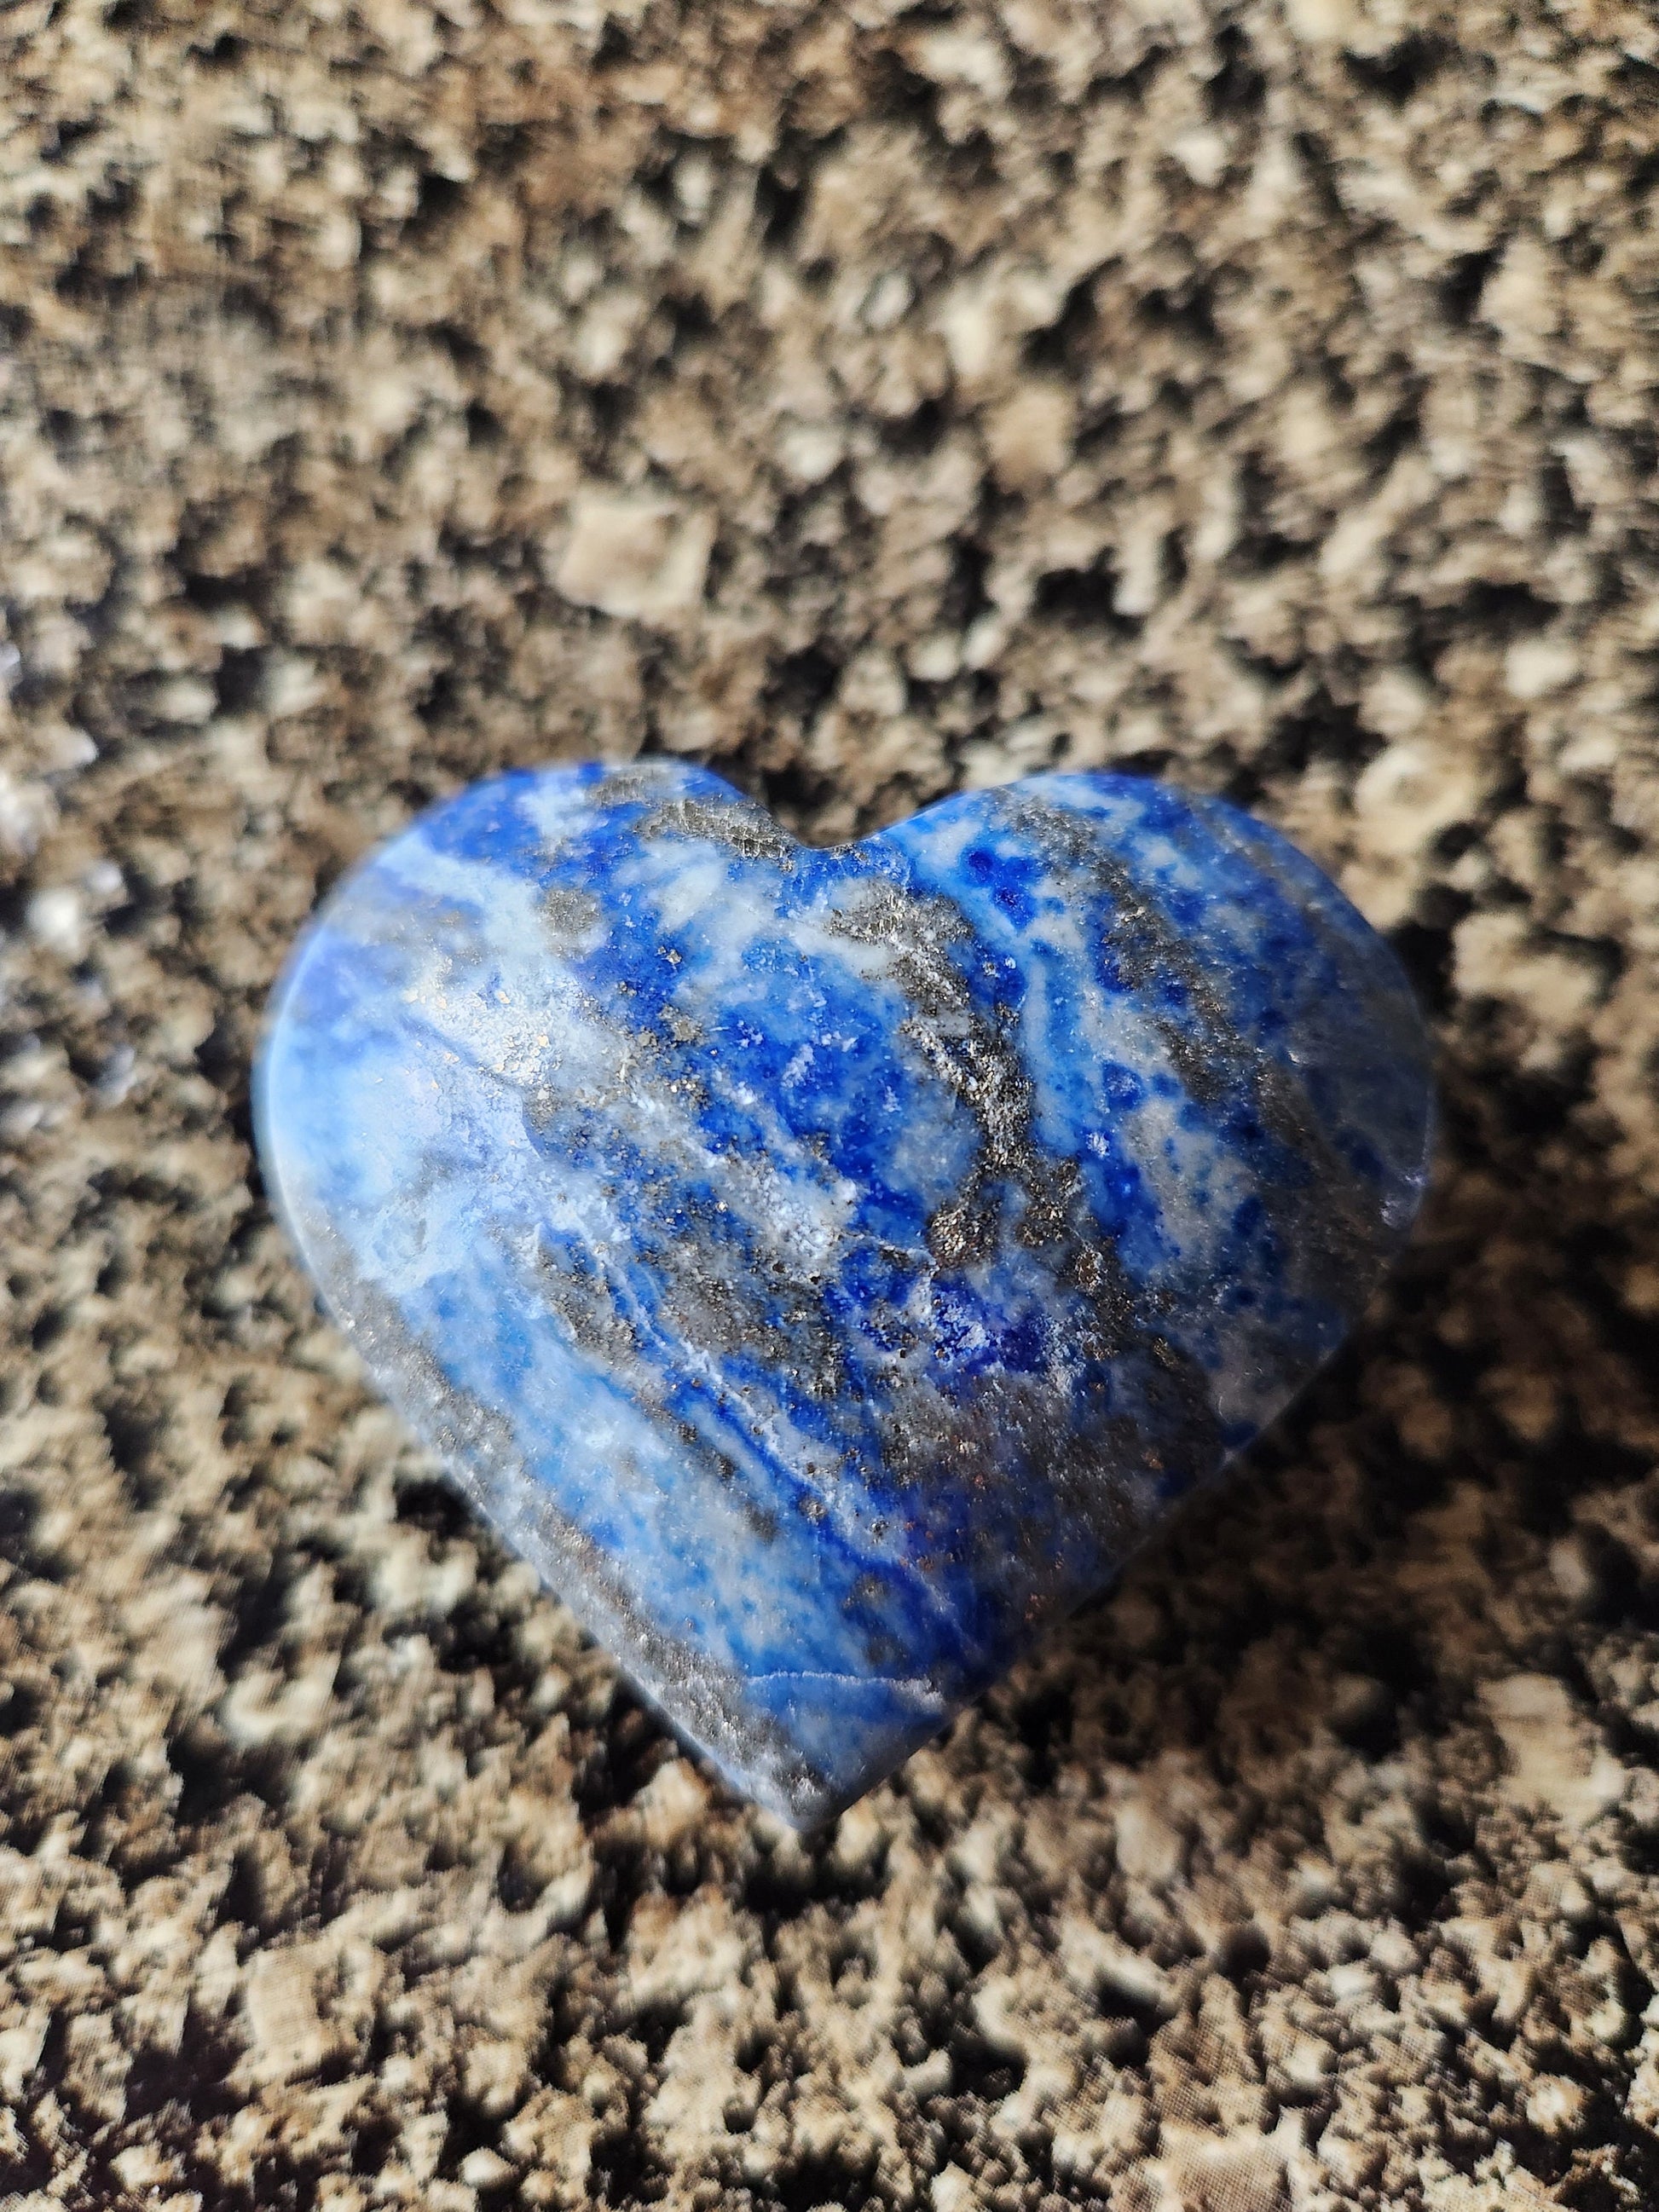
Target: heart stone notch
(826,1267)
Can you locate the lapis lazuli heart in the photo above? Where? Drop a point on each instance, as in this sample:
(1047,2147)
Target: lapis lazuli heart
(826,1266)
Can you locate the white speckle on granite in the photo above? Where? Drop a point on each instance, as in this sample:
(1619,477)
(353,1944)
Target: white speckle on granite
(633,557)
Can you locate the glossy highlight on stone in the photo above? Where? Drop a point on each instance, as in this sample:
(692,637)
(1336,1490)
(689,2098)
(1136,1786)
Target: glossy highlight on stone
(826,1267)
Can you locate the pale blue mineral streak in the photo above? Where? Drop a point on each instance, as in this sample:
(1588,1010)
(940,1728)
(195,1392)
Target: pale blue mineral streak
(826,1266)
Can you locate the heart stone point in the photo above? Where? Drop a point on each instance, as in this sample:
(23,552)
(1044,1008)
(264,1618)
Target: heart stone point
(826,1267)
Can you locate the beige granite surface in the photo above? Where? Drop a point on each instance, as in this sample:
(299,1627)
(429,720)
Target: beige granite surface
(870,399)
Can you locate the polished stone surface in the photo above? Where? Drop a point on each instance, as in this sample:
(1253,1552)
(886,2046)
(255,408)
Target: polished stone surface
(826,1266)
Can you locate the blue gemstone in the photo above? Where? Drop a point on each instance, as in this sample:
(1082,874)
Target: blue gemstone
(827,1266)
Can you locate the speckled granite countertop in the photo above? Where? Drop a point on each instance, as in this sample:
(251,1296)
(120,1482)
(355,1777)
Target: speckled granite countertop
(868,400)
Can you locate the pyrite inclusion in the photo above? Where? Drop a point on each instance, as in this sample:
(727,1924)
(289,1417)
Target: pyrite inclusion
(826,1266)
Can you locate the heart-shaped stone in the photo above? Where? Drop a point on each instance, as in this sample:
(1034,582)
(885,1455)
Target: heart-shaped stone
(826,1267)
